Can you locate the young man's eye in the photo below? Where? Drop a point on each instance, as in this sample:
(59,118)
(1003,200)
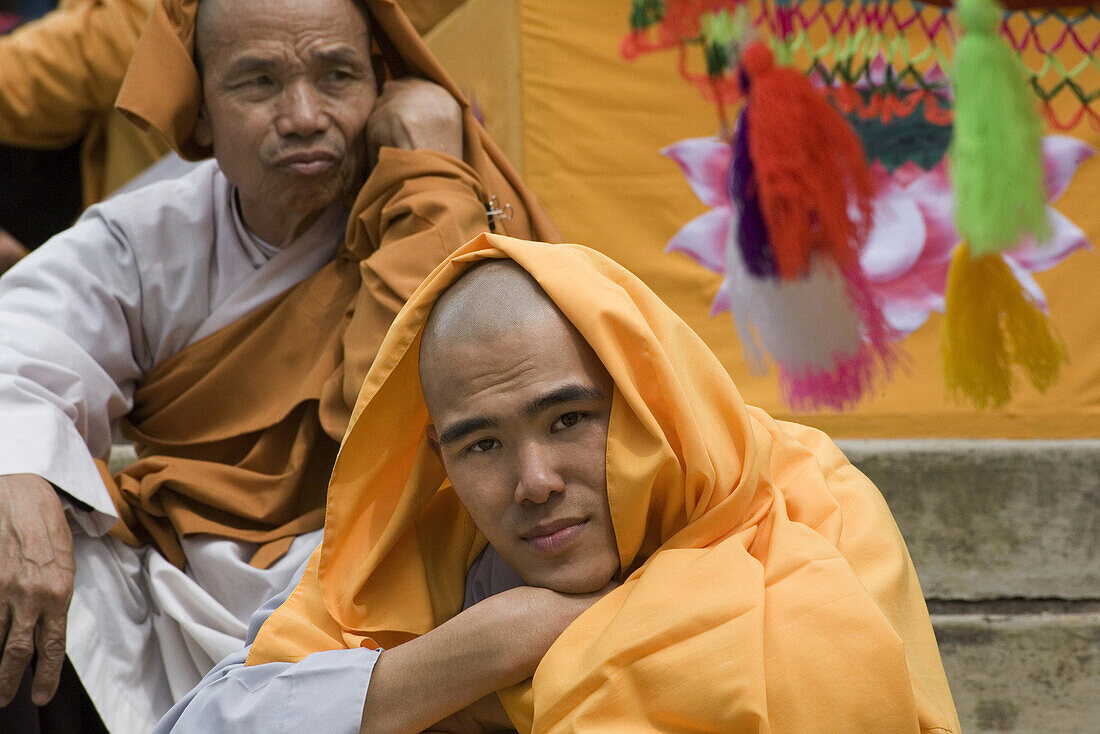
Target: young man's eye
(485,444)
(567,420)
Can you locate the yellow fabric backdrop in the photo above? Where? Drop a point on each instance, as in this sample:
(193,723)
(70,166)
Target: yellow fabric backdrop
(591,128)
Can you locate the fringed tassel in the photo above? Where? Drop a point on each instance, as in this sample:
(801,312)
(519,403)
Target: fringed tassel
(990,323)
(996,163)
(814,187)
(824,332)
(752,232)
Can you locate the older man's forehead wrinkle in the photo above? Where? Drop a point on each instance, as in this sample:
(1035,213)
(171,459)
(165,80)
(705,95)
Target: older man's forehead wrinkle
(250,22)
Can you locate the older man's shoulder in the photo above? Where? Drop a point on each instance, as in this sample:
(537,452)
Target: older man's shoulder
(190,196)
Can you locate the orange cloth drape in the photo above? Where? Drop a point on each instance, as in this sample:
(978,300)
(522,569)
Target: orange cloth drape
(58,80)
(771,591)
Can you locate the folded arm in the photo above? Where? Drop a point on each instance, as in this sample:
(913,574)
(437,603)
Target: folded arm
(491,645)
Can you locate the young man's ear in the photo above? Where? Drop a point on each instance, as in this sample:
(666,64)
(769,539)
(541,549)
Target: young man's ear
(433,440)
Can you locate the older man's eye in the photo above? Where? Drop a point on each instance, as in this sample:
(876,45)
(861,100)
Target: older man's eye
(260,81)
(485,444)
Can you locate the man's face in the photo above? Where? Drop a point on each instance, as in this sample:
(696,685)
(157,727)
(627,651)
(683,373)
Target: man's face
(287,89)
(521,422)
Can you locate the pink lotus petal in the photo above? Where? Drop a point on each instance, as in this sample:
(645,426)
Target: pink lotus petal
(932,192)
(703,239)
(1067,237)
(877,72)
(897,237)
(939,81)
(1030,286)
(721,300)
(706,164)
(907,173)
(1061,157)
(906,316)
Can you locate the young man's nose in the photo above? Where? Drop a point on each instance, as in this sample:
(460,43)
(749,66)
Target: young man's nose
(302,112)
(538,474)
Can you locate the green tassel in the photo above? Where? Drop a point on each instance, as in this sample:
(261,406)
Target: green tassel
(996,150)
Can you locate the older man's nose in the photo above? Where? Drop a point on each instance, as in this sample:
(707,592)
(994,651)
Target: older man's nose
(538,475)
(302,112)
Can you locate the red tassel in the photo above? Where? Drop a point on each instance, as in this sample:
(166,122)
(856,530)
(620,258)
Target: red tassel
(814,184)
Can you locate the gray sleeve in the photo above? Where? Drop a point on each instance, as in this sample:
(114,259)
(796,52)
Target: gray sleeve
(325,692)
(70,328)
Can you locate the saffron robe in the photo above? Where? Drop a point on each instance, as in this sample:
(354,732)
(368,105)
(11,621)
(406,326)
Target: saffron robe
(765,586)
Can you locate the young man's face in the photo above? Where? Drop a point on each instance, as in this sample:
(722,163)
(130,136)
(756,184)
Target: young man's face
(521,422)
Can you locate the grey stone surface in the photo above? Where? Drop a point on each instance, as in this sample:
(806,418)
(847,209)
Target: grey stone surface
(993,519)
(1023,673)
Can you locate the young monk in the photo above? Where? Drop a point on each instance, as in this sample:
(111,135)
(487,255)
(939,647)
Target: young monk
(546,410)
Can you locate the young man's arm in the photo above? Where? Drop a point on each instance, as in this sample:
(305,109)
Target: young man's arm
(489,646)
(327,691)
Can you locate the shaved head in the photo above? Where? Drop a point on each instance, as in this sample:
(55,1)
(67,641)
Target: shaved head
(490,300)
(210,13)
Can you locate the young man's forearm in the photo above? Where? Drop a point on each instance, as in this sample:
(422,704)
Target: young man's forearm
(489,646)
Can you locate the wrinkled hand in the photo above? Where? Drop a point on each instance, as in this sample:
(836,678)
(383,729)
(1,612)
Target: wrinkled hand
(11,251)
(413,114)
(36,584)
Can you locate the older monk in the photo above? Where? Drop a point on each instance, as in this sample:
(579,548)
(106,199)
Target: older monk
(543,411)
(225,321)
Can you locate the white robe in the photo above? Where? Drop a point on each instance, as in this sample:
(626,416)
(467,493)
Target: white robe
(137,279)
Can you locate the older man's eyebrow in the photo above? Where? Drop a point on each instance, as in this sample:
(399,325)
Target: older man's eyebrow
(243,65)
(563,394)
(339,55)
(465,427)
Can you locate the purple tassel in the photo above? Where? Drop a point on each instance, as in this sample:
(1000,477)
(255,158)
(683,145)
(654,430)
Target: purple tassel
(752,233)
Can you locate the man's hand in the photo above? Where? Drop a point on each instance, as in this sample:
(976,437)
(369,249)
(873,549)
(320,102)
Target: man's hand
(486,716)
(492,645)
(36,584)
(413,114)
(11,251)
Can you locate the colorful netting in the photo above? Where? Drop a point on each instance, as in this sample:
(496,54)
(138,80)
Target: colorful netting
(880,59)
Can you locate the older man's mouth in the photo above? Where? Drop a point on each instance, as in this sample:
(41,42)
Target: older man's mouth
(307,163)
(555,536)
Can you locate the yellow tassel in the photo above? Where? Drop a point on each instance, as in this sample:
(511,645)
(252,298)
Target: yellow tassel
(991,323)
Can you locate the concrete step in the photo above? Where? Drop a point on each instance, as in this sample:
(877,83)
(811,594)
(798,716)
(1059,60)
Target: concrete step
(993,519)
(1023,672)
(1005,536)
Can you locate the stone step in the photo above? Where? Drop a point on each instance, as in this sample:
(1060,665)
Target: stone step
(993,519)
(1023,672)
